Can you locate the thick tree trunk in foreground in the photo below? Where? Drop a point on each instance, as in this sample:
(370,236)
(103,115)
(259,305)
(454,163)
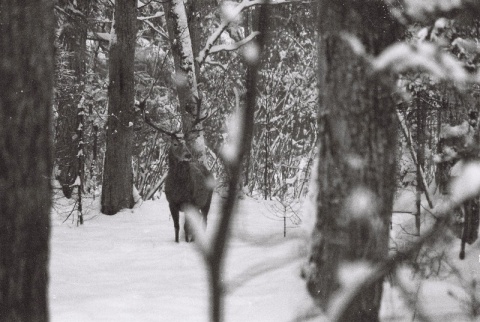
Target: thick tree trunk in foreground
(118,173)
(26,88)
(356,168)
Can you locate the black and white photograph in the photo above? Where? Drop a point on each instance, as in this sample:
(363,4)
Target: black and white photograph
(239,160)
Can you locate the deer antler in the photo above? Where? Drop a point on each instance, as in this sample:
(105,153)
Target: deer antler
(147,120)
(197,118)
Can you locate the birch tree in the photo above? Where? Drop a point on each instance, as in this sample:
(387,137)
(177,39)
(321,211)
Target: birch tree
(26,88)
(356,156)
(185,77)
(118,174)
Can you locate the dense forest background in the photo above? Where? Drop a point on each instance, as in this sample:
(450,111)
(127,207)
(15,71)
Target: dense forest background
(345,104)
(285,119)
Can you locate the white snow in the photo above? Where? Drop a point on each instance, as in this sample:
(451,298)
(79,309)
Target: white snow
(448,131)
(127,267)
(229,12)
(467,184)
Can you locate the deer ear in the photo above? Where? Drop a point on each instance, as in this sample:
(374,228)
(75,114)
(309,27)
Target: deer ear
(165,137)
(191,136)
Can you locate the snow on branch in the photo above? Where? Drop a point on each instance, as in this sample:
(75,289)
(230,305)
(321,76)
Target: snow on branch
(235,46)
(448,131)
(410,11)
(99,36)
(423,9)
(369,273)
(160,32)
(427,57)
(230,13)
(401,57)
(156,15)
(406,133)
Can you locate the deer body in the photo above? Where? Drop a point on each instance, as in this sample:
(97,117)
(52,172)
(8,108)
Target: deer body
(187,183)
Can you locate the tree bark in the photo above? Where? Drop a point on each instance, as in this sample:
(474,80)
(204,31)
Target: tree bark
(185,74)
(73,39)
(357,144)
(421,114)
(118,172)
(26,157)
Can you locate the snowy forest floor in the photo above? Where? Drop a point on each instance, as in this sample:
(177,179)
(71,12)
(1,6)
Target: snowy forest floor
(127,267)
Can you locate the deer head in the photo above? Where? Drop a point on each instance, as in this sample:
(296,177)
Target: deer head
(179,150)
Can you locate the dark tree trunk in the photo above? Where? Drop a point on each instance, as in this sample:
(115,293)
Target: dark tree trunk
(197,11)
(73,39)
(421,138)
(26,153)
(357,145)
(118,173)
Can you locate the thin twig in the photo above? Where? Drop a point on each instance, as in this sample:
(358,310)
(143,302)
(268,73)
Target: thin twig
(71,212)
(221,235)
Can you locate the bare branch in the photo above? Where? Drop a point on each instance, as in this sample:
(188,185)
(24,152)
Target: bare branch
(160,32)
(99,36)
(147,120)
(156,15)
(234,46)
(202,55)
(382,269)
(408,137)
(243,145)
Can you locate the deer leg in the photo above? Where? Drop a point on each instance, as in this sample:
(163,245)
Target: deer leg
(187,232)
(175,215)
(205,211)
(204,217)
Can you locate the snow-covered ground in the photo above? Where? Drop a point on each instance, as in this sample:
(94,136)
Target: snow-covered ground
(127,267)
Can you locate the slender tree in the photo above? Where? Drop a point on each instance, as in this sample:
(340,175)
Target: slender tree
(357,144)
(185,72)
(26,88)
(72,18)
(118,173)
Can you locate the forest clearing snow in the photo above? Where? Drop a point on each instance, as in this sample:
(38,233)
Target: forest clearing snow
(127,267)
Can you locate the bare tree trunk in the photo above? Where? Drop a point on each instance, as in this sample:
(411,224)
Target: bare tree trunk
(357,144)
(421,126)
(26,90)
(196,13)
(118,173)
(73,39)
(185,75)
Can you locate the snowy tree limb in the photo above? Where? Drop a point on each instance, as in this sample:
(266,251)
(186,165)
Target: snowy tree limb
(156,15)
(241,147)
(155,187)
(234,46)
(160,32)
(409,11)
(348,295)
(408,137)
(202,55)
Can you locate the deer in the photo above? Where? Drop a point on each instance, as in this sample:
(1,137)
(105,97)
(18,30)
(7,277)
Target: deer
(188,182)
